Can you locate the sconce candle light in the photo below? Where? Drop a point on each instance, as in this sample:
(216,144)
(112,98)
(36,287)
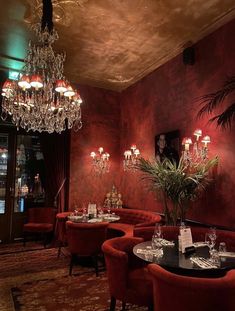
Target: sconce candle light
(199,152)
(100,161)
(130,158)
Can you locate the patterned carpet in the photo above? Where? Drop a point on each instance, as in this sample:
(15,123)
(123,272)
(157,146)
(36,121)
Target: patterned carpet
(36,280)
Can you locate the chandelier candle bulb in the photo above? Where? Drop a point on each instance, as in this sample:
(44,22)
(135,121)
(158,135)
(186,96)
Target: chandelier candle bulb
(199,152)
(206,140)
(197,133)
(101,149)
(100,161)
(131,158)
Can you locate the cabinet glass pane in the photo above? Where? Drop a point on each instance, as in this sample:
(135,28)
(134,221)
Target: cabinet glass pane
(29,174)
(3,170)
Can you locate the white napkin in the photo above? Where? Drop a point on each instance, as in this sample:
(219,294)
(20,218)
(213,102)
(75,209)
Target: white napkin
(166,243)
(227,254)
(199,244)
(95,220)
(203,263)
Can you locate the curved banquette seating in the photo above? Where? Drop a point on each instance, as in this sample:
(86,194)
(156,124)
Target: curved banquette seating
(198,234)
(129,219)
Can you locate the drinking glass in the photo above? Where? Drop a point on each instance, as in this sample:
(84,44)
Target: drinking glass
(222,247)
(156,242)
(158,230)
(210,239)
(100,211)
(215,258)
(84,210)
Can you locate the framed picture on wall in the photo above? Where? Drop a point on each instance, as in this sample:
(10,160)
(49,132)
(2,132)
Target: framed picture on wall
(167,145)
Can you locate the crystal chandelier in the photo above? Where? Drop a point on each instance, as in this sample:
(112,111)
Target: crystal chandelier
(42,99)
(100,161)
(199,150)
(130,158)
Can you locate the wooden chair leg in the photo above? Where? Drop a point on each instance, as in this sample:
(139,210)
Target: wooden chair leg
(95,261)
(59,251)
(112,304)
(123,306)
(71,264)
(24,241)
(45,240)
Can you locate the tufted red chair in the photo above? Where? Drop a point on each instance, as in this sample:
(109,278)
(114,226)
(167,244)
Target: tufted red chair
(183,293)
(85,239)
(129,280)
(40,221)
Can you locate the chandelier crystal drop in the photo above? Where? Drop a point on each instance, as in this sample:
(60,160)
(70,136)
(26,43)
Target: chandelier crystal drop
(42,99)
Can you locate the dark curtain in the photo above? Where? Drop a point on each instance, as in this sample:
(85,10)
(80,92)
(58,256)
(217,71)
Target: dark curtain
(55,148)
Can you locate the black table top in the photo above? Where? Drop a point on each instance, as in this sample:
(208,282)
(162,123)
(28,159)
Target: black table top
(176,262)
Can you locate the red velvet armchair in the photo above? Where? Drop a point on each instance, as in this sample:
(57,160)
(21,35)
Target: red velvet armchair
(85,239)
(128,278)
(183,293)
(40,221)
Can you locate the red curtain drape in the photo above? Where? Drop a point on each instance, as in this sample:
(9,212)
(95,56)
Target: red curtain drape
(55,148)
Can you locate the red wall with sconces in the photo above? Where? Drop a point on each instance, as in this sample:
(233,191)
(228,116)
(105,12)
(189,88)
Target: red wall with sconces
(161,102)
(164,101)
(101,123)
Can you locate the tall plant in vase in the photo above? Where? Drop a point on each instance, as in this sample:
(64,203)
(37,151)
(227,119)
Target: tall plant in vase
(176,184)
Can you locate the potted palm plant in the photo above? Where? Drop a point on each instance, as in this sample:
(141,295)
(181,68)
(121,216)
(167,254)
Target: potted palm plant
(176,184)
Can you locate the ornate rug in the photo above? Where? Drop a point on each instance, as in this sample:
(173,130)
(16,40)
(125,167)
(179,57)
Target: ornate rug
(39,281)
(19,247)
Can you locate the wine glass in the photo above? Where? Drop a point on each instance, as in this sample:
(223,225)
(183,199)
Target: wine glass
(158,230)
(210,239)
(84,210)
(100,211)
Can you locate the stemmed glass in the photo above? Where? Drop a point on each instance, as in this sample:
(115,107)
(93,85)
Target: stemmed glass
(84,210)
(158,230)
(210,239)
(100,211)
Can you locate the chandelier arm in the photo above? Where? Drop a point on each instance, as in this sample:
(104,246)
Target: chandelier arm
(47,15)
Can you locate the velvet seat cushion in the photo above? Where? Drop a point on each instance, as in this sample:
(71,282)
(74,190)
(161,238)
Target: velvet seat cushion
(85,239)
(139,281)
(38,227)
(184,293)
(136,216)
(40,219)
(124,229)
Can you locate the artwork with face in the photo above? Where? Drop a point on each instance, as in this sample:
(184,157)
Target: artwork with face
(167,146)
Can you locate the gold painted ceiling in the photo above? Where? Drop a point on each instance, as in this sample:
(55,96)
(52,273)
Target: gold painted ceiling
(112,43)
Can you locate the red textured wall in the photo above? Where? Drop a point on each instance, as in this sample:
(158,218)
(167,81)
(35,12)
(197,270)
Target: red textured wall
(161,102)
(165,101)
(101,123)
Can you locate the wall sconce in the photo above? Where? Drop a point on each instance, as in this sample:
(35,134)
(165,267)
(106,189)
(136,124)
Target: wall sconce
(130,158)
(199,150)
(100,161)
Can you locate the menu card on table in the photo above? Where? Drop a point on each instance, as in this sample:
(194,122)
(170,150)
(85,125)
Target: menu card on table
(185,239)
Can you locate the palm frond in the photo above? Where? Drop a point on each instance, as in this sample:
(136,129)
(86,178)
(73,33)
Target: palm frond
(213,100)
(226,117)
